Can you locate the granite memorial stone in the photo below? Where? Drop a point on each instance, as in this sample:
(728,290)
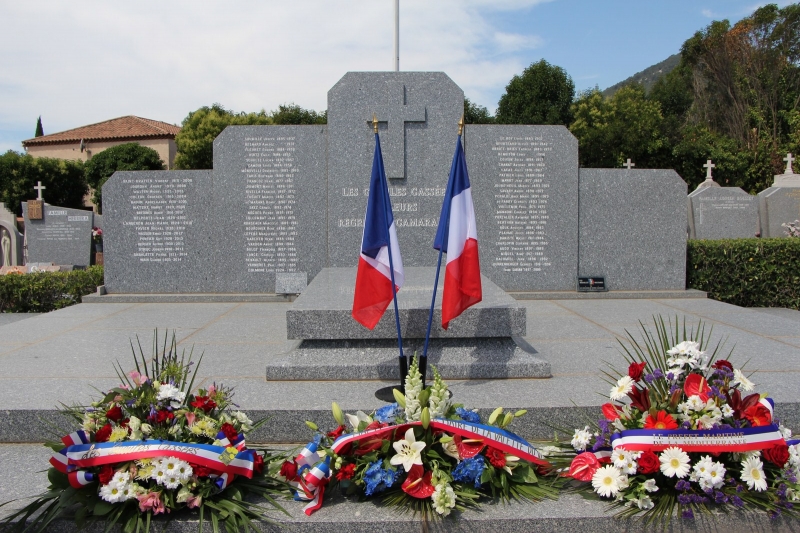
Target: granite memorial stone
(722,213)
(633,228)
(525,189)
(777,206)
(62,237)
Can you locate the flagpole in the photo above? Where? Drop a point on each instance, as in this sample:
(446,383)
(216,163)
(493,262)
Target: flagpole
(403,362)
(423,362)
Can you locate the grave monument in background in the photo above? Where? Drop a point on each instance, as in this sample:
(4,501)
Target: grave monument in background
(284,202)
(780,203)
(717,212)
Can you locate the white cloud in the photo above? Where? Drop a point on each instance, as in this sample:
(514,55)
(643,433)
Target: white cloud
(707,13)
(82,62)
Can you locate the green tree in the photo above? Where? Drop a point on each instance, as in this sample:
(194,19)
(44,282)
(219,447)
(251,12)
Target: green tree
(64,181)
(39,129)
(543,94)
(195,141)
(610,130)
(129,156)
(476,114)
(289,114)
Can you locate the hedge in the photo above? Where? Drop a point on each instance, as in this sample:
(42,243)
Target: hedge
(47,291)
(746,272)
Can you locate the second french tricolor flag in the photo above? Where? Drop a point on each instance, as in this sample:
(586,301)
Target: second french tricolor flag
(374,278)
(457,236)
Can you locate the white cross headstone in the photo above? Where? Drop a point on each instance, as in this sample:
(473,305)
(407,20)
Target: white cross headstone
(628,164)
(708,166)
(39,187)
(789,160)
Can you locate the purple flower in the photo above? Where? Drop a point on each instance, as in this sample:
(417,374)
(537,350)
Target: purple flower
(687,513)
(682,484)
(737,501)
(684,499)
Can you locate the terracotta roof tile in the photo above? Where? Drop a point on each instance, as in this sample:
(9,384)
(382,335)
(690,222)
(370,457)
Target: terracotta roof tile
(129,127)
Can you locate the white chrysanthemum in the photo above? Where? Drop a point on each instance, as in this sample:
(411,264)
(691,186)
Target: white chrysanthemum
(622,388)
(674,462)
(118,434)
(694,403)
(753,474)
(607,480)
(581,439)
(684,349)
(112,493)
(650,485)
(644,503)
(786,432)
(625,460)
(716,474)
(119,479)
(159,472)
(727,411)
(183,471)
(171,481)
(702,466)
(739,379)
(444,498)
(167,391)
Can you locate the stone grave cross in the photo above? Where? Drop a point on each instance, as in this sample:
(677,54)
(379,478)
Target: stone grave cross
(789,160)
(708,166)
(39,187)
(628,164)
(395,115)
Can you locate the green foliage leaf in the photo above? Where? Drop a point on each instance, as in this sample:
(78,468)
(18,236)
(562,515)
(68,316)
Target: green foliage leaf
(43,292)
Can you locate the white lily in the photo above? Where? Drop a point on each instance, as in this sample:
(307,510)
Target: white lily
(408,451)
(359,417)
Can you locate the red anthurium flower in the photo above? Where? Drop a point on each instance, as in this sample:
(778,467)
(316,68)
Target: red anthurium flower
(636,370)
(369,444)
(418,483)
(346,472)
(758,415)
(336,433)
(115,413)
(640,399)
(696,385)
(662,420)
(610,411)
(376,425)
(583,466)
(468,447)
(496,457)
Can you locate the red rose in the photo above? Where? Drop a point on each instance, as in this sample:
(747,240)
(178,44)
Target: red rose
(635,371)
(230,432)
(115,413)
(336,433)
(721,364)
(777,455)
(346,472)
(496,457)
(103,433)
(583,466)
(258,463)
(648,463)
(288,470)
(199,470)
(106,473)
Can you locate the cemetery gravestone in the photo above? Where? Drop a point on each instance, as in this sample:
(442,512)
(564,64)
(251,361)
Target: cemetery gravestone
(722,213)
(62,237)
(525,189)
(633,228)
(10,239)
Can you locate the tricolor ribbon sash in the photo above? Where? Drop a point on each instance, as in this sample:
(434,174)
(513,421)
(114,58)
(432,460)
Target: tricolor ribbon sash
(93,454)
(503,440)
(311,485)
(700,440)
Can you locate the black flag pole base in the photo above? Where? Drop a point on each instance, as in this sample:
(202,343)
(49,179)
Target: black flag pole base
(386,395)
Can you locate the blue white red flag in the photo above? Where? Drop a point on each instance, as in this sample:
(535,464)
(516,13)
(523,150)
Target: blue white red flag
(457,236)
(374,279)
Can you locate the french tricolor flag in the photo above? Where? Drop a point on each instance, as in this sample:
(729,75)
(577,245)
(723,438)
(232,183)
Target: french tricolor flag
(457,236)
(374,278)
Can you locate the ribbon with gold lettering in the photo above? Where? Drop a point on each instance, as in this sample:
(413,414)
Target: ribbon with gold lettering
(699,440)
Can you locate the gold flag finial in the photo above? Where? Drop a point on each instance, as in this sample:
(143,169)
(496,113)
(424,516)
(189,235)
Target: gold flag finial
(461,125)
(375,122)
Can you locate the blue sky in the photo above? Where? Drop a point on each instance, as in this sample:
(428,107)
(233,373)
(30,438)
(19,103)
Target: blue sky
(77,63)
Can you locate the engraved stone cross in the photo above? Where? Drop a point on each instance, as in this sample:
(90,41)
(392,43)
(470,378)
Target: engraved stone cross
(789,160)
(395,114)
(39,187)
(628,164)
(708,166)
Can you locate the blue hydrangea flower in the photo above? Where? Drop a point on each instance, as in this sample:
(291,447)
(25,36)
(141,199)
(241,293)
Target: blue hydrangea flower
(378,479)
(390,476)
(388,413)
(469,416)
(470,470)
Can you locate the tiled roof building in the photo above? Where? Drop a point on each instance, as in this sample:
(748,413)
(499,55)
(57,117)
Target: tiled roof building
(95,138)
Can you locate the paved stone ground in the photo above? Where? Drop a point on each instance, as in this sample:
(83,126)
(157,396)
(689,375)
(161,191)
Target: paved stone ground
(62,356)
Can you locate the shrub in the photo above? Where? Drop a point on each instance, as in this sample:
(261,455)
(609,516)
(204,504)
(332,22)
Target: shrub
(746,272)
(47,291)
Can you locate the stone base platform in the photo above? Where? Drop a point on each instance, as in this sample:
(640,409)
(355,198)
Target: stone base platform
(501,358)
(323,310)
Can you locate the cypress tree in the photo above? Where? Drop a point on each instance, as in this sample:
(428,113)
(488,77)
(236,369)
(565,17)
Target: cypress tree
(39,129)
